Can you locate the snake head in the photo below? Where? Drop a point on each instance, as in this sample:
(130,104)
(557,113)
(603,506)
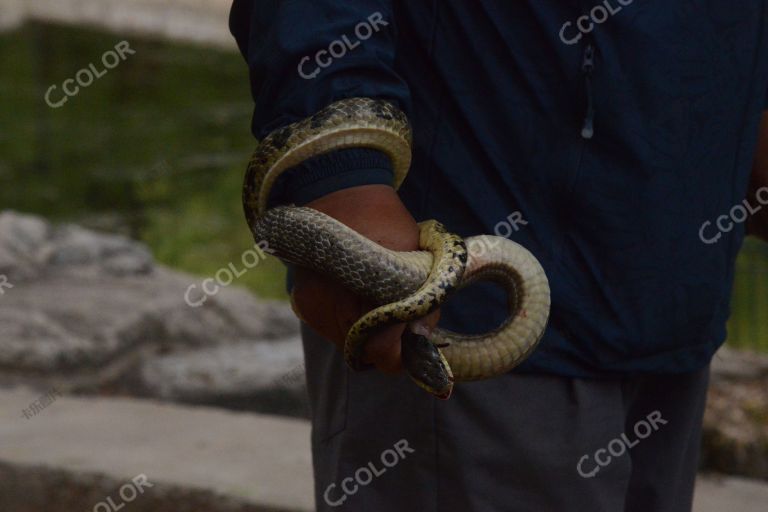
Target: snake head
(425,364)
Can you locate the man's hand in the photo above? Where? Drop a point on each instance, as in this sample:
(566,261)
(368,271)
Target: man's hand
(376,212)
(758,223)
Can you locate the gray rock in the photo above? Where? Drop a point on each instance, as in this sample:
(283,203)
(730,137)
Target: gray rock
(261,462)
(116,255)
(83,301)
(53,343)
(257,318)
(12,14)
(21,239)
(735,436)
(28,245)
(229,373)
(739,365)
(199,21)
(227,369)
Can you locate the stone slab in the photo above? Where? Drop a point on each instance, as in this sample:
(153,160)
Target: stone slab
(258,460)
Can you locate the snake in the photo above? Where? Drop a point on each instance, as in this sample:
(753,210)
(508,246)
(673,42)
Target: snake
(403,286)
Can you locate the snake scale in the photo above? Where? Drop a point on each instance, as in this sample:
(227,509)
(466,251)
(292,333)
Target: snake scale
(405,286)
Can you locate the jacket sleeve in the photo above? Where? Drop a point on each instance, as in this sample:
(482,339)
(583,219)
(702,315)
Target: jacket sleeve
(303,55)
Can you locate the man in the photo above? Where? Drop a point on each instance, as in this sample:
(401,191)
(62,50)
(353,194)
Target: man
(601,136)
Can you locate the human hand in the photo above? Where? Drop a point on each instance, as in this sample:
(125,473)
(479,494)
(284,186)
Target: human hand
(376,212)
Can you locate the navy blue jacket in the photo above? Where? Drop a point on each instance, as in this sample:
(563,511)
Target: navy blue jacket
(601,136)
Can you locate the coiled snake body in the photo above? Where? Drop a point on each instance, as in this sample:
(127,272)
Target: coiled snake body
(405,285)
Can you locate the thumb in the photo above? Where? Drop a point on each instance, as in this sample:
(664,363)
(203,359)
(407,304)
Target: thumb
(425,325)
(383,349)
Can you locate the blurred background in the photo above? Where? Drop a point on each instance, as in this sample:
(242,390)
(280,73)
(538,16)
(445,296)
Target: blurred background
(115,360)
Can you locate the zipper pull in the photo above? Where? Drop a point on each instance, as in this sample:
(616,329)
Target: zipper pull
(587,66)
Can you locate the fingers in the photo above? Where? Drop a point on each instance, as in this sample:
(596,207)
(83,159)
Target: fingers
(331,310)
(383,349)
(424,326)
(376,212)
(317,302)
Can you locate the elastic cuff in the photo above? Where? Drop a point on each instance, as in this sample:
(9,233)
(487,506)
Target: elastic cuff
(330,172)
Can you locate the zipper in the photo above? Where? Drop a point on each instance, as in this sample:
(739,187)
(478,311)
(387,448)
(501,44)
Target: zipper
(587,67)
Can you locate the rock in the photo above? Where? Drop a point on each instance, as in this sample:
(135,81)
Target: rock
(268,377)
(116,255)
(266,319)
(736,417)
(11,14)
(198,21)
(90,304)
(78,452)
(739,365)
(21,239)
(53,343)
(28,245)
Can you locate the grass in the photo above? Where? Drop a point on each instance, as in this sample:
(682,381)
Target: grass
(156,149)
(748,327)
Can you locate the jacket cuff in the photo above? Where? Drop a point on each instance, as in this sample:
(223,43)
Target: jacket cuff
(330,172)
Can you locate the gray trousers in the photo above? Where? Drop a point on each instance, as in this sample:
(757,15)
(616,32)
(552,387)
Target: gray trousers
(516,443)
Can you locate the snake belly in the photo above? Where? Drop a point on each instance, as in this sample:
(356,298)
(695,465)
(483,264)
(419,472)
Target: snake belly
(404,285)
